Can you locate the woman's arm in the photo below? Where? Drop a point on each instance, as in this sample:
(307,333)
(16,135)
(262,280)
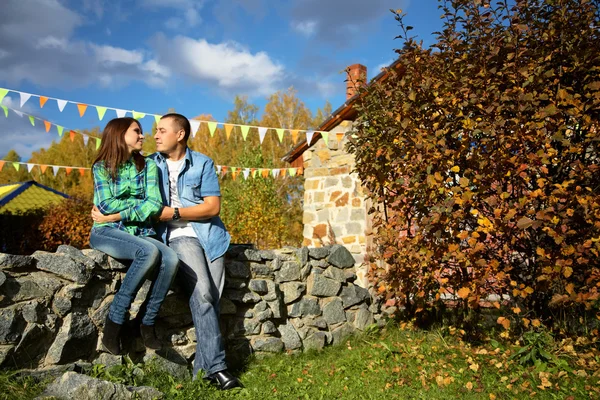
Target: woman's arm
(106,201)
(152,203)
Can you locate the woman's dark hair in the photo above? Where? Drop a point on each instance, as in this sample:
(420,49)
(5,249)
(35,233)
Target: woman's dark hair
(113,149)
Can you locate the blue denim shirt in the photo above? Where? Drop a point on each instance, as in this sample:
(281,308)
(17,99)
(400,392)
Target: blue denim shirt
(197,179)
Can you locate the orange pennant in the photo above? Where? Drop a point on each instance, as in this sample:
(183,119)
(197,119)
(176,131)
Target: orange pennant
(81,171)
(283,171)
(300,170)
(47,125)
(1,164)
(265,173)
(72,135)
(234,174)
(228,129)
(43,168)
(223,170)
(43,100)
(82,108)
(68,169)
(339,136)
(294,135)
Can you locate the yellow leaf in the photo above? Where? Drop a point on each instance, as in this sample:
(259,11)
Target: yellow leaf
(536,323)
(474,367)
(463,293)
(469,385)
(516,310)
(567,272)
(504,322)
(456,168)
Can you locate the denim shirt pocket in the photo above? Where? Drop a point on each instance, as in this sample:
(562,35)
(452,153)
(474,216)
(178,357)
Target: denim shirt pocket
(192,186)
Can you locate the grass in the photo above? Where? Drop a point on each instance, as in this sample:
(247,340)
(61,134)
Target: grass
(398,362)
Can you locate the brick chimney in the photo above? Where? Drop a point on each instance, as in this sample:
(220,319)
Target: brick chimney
(357,77)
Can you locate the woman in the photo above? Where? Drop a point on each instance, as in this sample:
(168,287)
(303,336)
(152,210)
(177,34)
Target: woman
(126,195)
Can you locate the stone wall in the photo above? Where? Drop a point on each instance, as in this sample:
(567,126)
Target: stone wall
(53,305)
(335,208)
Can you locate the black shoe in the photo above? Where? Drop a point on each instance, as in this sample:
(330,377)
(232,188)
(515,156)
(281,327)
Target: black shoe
(111,337)
(224,380)
(149,337)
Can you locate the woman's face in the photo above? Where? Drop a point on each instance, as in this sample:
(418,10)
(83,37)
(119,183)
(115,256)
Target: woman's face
(134,137)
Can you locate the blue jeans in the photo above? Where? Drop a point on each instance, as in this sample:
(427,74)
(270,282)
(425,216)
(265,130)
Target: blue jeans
(204,282)
(147,254)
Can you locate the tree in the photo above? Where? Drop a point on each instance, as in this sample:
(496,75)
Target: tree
(482,155)
(9,173)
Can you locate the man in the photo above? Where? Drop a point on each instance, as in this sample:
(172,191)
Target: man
(191,226)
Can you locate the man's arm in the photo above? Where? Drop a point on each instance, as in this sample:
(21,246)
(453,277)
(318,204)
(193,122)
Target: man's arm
(210,208)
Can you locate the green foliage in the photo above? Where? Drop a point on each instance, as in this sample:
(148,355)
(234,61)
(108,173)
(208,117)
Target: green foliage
(536,348)
(483,155)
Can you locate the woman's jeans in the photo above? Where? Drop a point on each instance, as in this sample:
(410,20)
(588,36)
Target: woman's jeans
(146,253)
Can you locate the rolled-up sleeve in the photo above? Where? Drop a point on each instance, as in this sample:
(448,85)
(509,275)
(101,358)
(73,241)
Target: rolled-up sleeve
(210,181)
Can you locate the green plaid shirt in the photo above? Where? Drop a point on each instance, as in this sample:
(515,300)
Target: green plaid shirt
(135,195)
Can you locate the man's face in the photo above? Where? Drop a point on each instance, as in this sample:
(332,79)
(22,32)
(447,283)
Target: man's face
(167,135)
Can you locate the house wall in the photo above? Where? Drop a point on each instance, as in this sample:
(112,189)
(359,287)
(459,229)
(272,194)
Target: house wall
(335,209)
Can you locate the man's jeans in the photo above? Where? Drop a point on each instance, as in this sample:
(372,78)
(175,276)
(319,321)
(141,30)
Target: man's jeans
(147,253)
(204,282)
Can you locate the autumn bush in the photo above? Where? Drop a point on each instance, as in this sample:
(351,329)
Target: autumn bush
(67,223)
(481,154)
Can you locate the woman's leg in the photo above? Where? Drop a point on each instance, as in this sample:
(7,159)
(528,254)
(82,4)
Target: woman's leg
(166,274)
(122,245)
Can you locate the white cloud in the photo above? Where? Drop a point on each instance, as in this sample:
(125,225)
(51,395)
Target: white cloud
(228,66)
(189,9)
(306,28)
(114,55)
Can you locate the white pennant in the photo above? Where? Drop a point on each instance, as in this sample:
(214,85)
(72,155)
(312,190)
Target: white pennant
(275,172)
(261,133)
(246,173)
(55,169)
(61,104)
(195,124)
(86,138)
(30,167)
(19,113)
(120,113)
(219,169)
(24,98)
(309,135)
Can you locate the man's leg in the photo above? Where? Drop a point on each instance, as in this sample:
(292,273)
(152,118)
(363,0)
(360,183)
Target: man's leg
(204,281)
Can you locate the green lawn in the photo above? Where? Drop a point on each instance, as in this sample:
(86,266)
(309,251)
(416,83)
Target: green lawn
(396,362)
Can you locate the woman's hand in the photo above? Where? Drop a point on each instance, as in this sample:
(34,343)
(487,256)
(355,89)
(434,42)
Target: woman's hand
(97,216)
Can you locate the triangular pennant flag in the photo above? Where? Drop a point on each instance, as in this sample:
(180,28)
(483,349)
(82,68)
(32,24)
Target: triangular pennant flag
(325,136)
(3,92)
(245,129)
(60,130)
(195,124)
(211,128)
(265,173)
(120,113)
(275,172)
(224,170)
(48,125)
(234,175)
(157,118)
(30,167)
(246,173)
(72,135)
(283,171)
(261,133)
(16,165)
(86,138)
(5,111)
(32,120)
(81,107)
(68,169)
(101,111)
(292,171)
(280,134)
(233,169)
(19,113)
(43,168)
(294,135)
(61,104)
(228,129)
(98,141)
(55,169)
(138,115)
(1,164)
(309,135)
(43,100)
(300,170)
(81,171)
(254,171)
(339,136)
(218,169)
(24,98)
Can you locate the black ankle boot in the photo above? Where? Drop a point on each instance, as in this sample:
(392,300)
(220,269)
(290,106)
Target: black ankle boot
(149,337)
(111,336)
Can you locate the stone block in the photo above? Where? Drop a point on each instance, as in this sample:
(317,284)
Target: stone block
(64,266)
(237,269)
(259,286)
(318,253)
(292,291)
(306,306)
(290,337)
(333,311)
(267,344)
(290,271)
(319,285)
(315,341)
(340,257)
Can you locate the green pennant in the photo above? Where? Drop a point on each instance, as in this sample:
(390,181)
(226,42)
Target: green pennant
(292,171)
(3,92)
(325,136)
(5,111)
(245,129)
(138,115)
(211,128)
(233,169)
(32,120)
(280,134)
(98,141)
(16,165)
(157,118)
(101,111)
(60,130)
(254,173)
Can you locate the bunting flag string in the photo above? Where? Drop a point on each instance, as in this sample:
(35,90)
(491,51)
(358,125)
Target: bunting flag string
(211,125)
(43,167)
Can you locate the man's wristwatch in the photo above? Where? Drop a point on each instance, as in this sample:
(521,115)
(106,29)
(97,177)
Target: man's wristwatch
(176,215)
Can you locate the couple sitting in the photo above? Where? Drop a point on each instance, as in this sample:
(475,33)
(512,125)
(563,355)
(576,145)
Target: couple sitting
(177,189)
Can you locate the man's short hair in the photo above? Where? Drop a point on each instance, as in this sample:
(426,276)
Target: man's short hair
(180,122)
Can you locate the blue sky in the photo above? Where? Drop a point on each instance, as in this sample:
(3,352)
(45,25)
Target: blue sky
(190,55)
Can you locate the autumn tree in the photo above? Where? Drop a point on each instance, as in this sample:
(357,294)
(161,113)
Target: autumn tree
(482,156)
(13,173)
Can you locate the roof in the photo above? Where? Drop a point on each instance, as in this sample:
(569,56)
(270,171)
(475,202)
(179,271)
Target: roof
(25,196)
(345,112)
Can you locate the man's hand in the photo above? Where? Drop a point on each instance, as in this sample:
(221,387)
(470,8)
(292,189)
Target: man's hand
(97,216)
(166,214)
